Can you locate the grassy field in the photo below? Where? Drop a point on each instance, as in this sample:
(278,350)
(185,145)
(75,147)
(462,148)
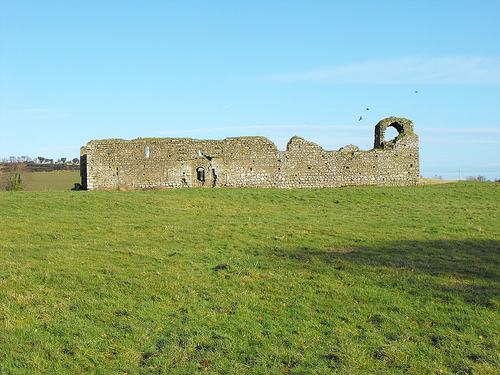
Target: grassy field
(56,180)
(47,181)
(241,281)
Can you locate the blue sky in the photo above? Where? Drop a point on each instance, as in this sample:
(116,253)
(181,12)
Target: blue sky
(73,71)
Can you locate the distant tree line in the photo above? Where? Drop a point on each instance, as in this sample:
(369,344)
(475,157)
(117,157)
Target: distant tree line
(38,160)
(480,178)
(17,167)
(471,178)
(15,171)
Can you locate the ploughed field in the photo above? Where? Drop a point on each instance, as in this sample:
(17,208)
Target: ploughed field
(351,280)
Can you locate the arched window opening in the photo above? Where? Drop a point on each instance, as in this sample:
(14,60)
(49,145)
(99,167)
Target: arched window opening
(200,174)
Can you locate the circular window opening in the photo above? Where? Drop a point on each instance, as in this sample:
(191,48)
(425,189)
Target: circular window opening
(391,133)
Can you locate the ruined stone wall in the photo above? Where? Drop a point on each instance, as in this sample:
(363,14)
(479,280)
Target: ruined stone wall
(250,162)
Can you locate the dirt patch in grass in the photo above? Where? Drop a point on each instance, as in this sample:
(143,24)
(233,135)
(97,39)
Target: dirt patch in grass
(342,250)
(433,181)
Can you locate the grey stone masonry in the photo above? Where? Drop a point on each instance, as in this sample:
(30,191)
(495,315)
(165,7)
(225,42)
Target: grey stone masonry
(250,162)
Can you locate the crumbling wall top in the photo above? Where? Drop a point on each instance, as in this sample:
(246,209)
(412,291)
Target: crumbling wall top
(402,125)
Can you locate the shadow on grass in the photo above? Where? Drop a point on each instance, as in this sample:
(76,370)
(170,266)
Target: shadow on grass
(471,269)
(462,259)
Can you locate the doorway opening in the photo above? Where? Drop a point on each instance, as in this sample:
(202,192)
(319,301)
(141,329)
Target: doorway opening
(200,174)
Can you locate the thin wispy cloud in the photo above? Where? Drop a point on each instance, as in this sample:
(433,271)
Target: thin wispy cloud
(476,142)
(450,132)
(363,109)
(225,107)
(57,149)
(36,113)
(472,70)
(330,137)
(484,138)
(266,128)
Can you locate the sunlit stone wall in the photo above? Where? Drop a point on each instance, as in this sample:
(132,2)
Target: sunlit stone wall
(250,162)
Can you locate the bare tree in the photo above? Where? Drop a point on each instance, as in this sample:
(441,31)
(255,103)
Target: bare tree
(476,178)
(24,159)
(15,177)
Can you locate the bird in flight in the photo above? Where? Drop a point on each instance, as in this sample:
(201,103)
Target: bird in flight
(360,118)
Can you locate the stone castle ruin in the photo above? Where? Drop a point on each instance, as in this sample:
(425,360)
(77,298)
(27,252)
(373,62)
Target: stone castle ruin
(250,162)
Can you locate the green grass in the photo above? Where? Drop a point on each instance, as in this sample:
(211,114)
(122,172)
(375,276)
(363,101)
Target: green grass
(55,180)
(353,280)
(47,181)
